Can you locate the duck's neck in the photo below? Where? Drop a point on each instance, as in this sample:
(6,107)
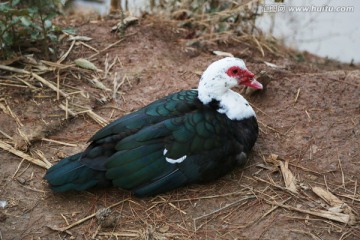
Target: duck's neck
(211,90)
(232,104)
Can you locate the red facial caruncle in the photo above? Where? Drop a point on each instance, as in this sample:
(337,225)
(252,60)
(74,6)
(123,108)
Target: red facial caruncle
(244,77)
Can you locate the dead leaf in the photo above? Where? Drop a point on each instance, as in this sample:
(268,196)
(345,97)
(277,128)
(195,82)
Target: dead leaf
(164,229)
(122,25)
(130,20)
(95,81)
(327,196)
(289,178)
(273,159)
(272,65)
(83,63)
(338,217)
(336,204)
(223,54)
(79,38)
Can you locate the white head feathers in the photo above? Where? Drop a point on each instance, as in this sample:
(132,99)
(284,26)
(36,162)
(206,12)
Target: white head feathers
(216,83)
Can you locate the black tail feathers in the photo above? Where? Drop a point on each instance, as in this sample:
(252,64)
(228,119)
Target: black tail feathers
(72,174)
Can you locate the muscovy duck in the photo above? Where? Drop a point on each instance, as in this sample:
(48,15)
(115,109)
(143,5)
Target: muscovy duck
(192,136)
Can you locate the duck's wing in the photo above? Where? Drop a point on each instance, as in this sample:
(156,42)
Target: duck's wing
(171,106)
(195,147)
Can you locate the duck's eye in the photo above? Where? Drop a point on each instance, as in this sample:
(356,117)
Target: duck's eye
(234,71)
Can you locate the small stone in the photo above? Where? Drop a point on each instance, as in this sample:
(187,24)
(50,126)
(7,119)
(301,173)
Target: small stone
(304,186)
(60,154)
(21,180)
(3,217)
(164,229)
(3,203)
(106,218)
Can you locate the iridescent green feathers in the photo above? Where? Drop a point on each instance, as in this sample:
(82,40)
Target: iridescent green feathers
(174,141)
(170,106)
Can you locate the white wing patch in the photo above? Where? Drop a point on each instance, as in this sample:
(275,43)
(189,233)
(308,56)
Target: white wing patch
(173,161)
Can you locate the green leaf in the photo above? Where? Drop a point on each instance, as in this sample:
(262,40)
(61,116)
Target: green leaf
(8,39)
(47,24)
(17,12)
(50,15)
(15,2)
(70,31)
(33,10)
(52,37)
(4,7)
(14,20)
(25,21)
(34,35)
(36,26)
(57,29)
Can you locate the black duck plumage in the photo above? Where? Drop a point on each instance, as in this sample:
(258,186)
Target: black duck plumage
(129,153)
(172,142)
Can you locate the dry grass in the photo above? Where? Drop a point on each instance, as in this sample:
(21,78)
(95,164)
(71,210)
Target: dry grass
(214,22)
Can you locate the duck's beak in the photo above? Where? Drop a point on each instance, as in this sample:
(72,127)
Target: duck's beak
(252,83)
(248,80)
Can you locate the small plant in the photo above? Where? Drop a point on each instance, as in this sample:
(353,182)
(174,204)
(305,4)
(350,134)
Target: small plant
(27,23)
(214,20)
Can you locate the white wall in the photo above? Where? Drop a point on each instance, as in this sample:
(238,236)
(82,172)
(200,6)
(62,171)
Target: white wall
(329,34)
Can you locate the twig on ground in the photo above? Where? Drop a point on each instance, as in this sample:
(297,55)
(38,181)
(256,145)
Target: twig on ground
(63,57)
(59,142)
(125,234)
(42,156)
(355,191)
(42,80)
(297,95)
(97,118)
(205,197)
(304,168)
(6,135)
(110,46)
(338,217)
(220,209)
(18,168)
(58,84)
(88,46)
(271,128)
(20,154)
(259,46)
(341,169)
(5,107)
(273,208)
(306,233)
(65,219)
(63,229)
(173,206)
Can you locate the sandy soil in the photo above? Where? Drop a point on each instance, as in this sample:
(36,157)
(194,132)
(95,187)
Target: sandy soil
(309,115)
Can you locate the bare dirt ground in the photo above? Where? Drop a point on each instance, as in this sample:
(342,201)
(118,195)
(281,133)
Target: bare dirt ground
(309,116)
